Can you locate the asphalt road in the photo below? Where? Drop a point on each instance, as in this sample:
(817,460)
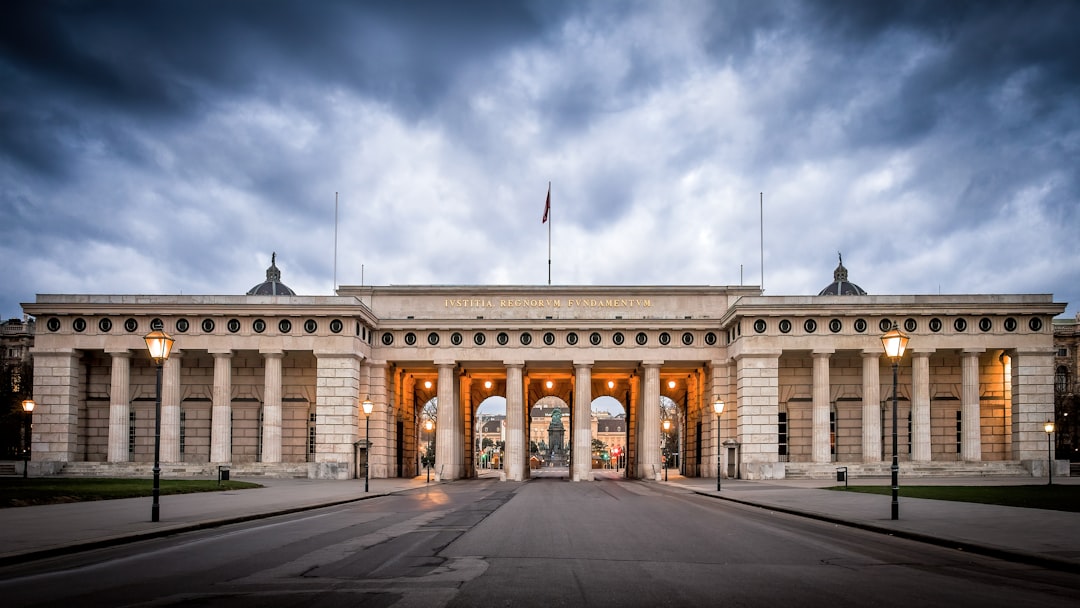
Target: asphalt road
(548,542)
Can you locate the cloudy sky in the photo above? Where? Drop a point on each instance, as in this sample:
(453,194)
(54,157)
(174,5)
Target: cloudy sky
(171,147)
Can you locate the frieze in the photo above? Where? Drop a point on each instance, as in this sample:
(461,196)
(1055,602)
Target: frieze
(547,303)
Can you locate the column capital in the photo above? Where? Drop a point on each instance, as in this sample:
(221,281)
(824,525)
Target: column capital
(973,351)
(876,353)
(272,353)
(583,364)
(444,363)
(653,363)
(922,352)
(221,354)
(819,353)
(518,364)
(118,352)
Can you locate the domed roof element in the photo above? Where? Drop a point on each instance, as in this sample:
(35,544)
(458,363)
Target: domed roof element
(840,285)
(273,285)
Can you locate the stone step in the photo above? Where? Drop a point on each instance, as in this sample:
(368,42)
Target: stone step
(9,469)
(287,470)
(800,470)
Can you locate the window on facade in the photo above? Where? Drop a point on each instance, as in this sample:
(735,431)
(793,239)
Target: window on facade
(183,432)
(959,433)
(909,433)
(1061,380)
(311,437)
(131,435)
(782,436)
(832,432)
(259,438)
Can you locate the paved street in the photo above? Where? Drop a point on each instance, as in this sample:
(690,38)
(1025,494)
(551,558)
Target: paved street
(547,542)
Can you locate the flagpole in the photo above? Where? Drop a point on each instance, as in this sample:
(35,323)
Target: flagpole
(547,214)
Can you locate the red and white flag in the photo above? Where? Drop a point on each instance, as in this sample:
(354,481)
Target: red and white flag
(547,206)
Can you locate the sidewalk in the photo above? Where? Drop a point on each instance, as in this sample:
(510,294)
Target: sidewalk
(1040,537)
(1045,538)
(34,532)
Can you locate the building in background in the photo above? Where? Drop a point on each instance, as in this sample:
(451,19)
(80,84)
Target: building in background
(271,383)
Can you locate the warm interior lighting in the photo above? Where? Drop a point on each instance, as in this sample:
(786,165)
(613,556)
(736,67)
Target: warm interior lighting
(427,383)
(487,384)
(895,342)
(718,406)
(368,406)
(667,425)
(550,384)
(428,425)
(28,405)
(671,384)
(611,384)
(160,345)
(1048,427)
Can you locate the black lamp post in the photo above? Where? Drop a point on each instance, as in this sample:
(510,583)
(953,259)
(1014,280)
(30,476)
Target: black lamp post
(895,342)
(1049,428)
(160,345)
(718,407)
(368,406)
(28,409)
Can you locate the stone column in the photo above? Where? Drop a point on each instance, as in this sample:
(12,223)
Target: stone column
(970,412)
(650,463)
(381,446)
(758,394)
(119,405)
(221,409)
(820,447)
(271,424)
(582,421)
(1032,406)
(55,434)
(514,451)
(719,382)
(447,433)
(170,408)
(920,406)
(871,409)
(337,414)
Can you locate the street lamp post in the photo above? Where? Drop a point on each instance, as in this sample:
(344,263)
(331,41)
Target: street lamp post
(718,407)
(160,346)
(1049,428)
(429,425)
(28,409)
(368,406)
(895,342)
(663,454)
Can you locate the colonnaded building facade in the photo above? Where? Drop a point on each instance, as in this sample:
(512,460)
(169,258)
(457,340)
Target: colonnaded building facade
(272,383)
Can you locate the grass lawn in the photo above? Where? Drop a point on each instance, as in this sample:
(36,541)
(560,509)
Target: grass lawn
(1054,498)
(19,492)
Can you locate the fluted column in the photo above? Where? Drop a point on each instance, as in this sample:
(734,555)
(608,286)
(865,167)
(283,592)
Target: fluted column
(271,423)
(650,462)
(170,408)
(970,423)
(582,421)
(820,413)
(119,406)
(920,406)
(446,433)
(514,447)
(871,409)
(221,412)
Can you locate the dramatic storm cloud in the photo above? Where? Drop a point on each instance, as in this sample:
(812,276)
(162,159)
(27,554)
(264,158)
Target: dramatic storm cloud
(171,147)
